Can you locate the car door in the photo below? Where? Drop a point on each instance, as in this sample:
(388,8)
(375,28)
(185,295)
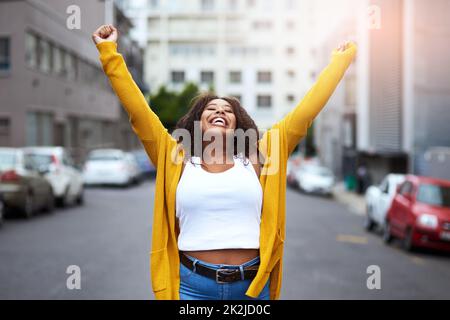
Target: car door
(403,206)
(377,201)
(72,174)
(77,177)
(35,182)
(384,201)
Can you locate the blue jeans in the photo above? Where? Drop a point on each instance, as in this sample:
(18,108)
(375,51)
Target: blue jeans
(194,286)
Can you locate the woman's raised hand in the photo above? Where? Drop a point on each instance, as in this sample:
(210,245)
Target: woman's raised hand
(106,32)
(343,46)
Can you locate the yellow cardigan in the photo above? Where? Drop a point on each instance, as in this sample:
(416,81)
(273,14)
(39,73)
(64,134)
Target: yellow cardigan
(276,144)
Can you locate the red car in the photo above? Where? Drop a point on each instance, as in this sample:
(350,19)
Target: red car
(420,214)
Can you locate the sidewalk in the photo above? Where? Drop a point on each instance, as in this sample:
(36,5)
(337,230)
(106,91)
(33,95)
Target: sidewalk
(355,202)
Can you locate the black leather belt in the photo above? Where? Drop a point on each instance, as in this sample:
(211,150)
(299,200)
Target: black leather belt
(220,275)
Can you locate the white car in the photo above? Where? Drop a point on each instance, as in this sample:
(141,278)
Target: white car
(109,166)
(313,178)
(136,174)
(65,179)
(379,199)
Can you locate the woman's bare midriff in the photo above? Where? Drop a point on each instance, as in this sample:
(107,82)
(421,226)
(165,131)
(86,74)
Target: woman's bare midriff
(225,256)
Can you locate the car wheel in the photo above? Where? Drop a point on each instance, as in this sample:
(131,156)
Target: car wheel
(2,212)
(63,200)
(408,240)
(50,206)
(80,198)
(300,188)
(387,235)
(369,224)
(28,208)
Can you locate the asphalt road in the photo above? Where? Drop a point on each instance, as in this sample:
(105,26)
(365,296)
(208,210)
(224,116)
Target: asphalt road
(326,253)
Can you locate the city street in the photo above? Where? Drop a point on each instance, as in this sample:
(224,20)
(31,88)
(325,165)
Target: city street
(326,256)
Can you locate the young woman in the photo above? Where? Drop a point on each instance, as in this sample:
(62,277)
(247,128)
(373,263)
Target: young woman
(219,216)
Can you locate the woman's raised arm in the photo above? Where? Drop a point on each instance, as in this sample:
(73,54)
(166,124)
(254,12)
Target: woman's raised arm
(144,121)
(296,123)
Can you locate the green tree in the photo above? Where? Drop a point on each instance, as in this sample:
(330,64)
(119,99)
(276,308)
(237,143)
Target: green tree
(170,106)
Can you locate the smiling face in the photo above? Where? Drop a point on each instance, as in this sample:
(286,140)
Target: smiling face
(218,115)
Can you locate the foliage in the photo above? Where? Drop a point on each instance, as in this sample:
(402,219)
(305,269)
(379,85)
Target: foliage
(170,106)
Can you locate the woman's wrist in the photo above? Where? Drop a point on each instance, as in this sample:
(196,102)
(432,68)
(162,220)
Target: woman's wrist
(106,46)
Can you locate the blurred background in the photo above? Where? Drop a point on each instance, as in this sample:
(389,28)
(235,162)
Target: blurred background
(369,185)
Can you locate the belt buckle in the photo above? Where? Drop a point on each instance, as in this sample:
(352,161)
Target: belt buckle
(229,271)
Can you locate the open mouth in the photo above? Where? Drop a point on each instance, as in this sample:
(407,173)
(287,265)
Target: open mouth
(218,121)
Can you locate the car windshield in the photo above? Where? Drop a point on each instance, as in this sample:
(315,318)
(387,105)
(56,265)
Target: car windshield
(41,160)
(316,170)
(7,160)
(105,157)
(434,195)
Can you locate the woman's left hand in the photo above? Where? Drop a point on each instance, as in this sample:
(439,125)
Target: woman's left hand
(343,46)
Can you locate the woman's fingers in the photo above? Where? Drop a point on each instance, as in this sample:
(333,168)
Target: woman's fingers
(343,46)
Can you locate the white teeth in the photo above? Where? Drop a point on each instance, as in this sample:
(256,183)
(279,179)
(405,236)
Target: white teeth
(219,121)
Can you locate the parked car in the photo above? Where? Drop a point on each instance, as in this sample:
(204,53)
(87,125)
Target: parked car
(108,166)
(136,175)
(1,210)
(314,178)
(145,165)
(420,214)
(65,178)
(293,165)
(23,185)
(379,199)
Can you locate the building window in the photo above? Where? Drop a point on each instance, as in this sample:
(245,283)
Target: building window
(177,76)
(290,4)
(31,50)
(232,5)
(5,134)
(264,101)
(262,25)
(290,25)
(235,76)
(268,4)
(71,65)
(290,98)
(57,60)
(154,3)
(45,56)
(207,77)
(264,76)
(39,129)
(207,5)
(5,55)
(291,74)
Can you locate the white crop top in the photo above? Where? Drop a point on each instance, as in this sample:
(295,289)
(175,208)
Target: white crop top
(218,210)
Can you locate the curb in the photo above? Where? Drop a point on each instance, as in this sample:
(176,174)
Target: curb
(355,202)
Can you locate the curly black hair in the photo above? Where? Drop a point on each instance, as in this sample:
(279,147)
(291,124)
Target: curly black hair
(197,106)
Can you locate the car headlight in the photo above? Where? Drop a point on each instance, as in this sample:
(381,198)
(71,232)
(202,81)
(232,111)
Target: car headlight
(428,220)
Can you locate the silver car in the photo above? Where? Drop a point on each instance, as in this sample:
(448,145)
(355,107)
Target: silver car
(23,185)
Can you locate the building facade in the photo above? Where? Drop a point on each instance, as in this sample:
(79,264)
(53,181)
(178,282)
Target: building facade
(52,88)
(247,49)
(400,103)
